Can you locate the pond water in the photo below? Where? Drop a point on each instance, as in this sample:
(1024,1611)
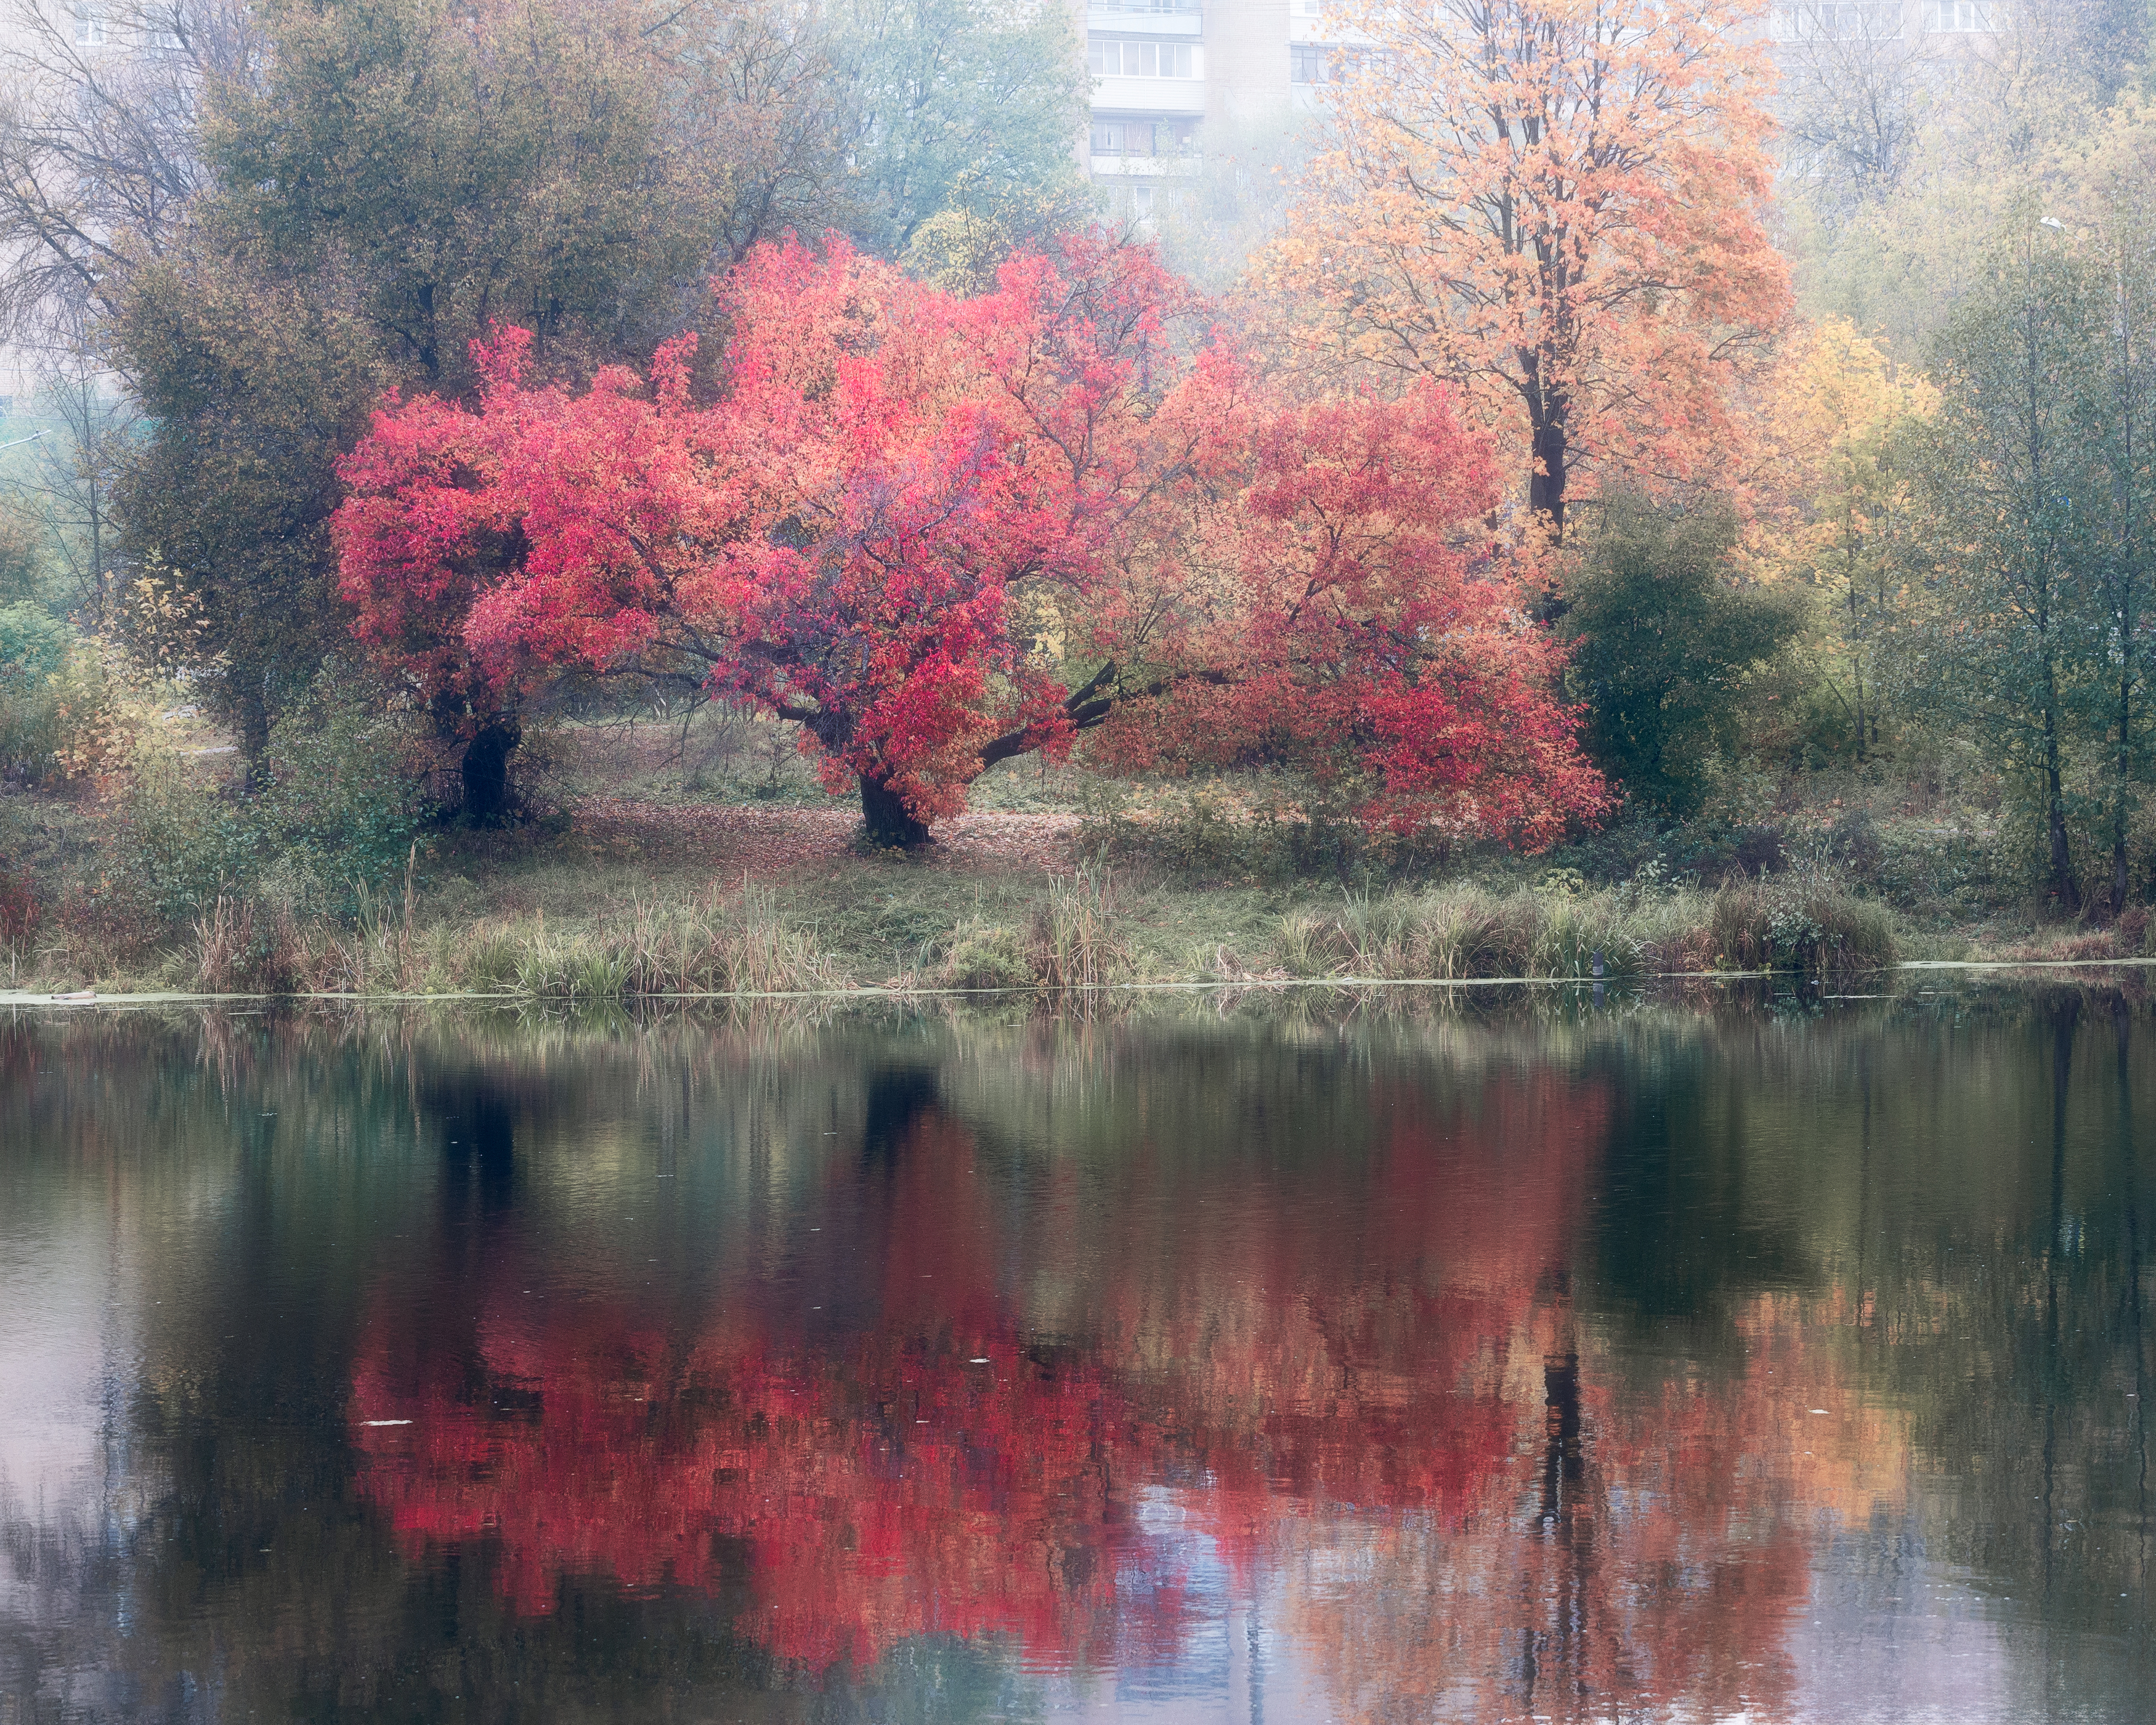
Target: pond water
(1563,1360)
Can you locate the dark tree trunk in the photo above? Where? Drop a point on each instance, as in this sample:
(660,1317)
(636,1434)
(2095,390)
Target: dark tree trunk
(2065,890)
(486,771)
(1545,485)
(890,822)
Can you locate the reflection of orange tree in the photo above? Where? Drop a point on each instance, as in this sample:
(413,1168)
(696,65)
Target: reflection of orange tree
(1657,1579)
(938,1471)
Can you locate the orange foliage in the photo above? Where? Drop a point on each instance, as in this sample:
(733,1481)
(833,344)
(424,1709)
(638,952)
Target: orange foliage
(1560,206)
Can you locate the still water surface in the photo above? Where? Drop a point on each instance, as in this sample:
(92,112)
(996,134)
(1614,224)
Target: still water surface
(1568,1364)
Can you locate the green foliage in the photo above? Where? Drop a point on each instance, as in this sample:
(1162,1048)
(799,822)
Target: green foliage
(986,955)
(1663,644)
(340,804)
(963,107)
(456,170)
(33,650)
(59,717)
(180,842)
(332,822)
(255,384)
(2032,581)
(21,565)
(34,645)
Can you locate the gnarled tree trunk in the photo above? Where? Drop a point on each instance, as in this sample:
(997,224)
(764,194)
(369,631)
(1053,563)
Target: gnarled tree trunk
(889,821)
(485,770)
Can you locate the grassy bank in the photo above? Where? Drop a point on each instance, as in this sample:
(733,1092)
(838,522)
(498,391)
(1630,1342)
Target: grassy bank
(669,876)
(611,930)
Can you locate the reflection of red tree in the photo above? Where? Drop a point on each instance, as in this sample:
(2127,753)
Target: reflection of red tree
(892,1492)
(1352,1338)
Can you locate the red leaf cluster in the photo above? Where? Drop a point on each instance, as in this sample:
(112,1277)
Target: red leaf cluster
(938,532)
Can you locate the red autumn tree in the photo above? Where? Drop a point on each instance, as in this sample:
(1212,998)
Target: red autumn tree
(939,532)
(1319,552)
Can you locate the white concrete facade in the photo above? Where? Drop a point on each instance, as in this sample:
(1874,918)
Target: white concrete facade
(1256,59)
(1162,69)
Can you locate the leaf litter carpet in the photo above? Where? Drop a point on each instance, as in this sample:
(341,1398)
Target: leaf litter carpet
(778,844)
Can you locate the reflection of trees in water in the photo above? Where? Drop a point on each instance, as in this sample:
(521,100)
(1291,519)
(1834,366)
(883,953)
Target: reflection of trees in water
(1947,1291)
(1362,1336)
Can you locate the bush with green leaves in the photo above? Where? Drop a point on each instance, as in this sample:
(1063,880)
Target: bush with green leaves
(35,647)
(1664,646)
(341,802)
(333,818)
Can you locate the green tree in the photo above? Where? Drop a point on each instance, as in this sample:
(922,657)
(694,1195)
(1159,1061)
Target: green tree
(401,177)
(461,170)
(2118,513)
(253,386)
(2000,632)
(1664,642)
(959,105)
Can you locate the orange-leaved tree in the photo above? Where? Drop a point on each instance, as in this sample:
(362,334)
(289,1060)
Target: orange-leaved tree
(1558,205)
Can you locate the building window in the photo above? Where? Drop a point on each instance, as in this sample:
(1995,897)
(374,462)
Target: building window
(1145,138)
(88,27)
(1965,15)
(1836,20)
(1319,63)
(1119,56)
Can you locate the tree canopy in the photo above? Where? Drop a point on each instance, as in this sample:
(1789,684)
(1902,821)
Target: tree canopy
(940,531)
(1561,207)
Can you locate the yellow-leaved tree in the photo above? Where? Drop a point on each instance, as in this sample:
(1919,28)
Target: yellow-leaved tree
(1559,206)
(1828,497)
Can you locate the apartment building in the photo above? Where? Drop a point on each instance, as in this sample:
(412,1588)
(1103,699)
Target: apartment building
(1164,70)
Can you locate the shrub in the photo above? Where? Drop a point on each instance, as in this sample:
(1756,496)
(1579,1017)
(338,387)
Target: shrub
(59,712)
(19,904)
(33,645)
(986,956)
(340,802)
(1663,643)
(334,819)
(180,844)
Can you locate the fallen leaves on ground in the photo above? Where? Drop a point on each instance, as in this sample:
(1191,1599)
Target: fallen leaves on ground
(786,844)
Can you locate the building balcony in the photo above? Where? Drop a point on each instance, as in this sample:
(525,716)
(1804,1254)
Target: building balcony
(1143,168)
(1183,25)
(1148,95)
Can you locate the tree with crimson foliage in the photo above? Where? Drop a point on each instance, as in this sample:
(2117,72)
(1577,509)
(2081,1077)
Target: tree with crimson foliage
(939,532)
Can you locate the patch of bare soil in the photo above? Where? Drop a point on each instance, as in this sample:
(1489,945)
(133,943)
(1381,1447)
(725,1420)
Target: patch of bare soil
(787,845)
